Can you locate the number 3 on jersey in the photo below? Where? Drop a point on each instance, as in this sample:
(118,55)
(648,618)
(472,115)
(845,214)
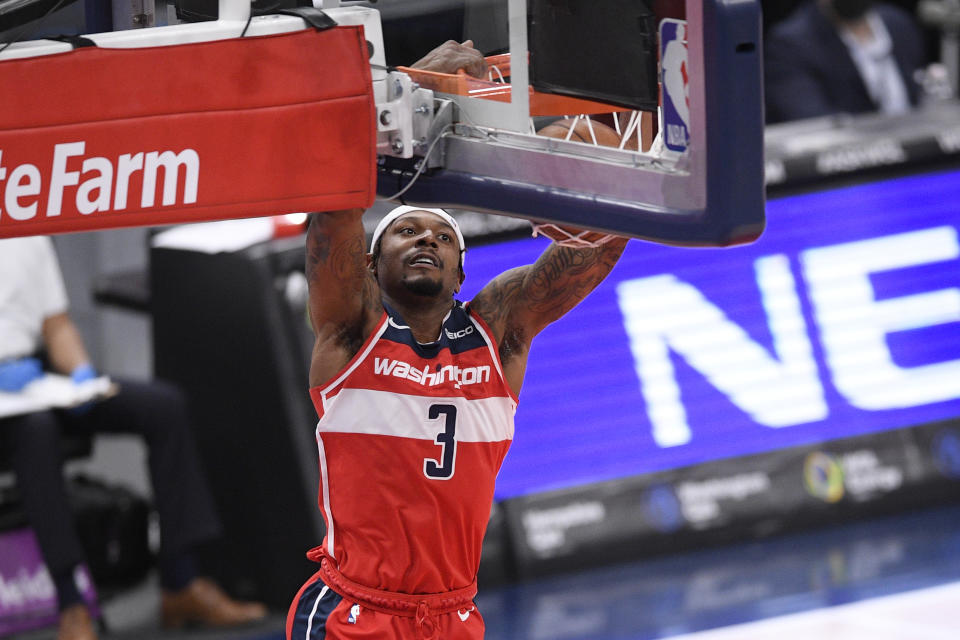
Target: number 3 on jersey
(442,469)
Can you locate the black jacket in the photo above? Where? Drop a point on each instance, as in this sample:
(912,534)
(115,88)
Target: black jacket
(808,70)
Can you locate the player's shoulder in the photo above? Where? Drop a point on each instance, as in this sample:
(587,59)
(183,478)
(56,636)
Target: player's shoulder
(480,308)
(463,317)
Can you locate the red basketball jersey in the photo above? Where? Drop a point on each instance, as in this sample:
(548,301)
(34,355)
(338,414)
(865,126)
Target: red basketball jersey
(411,438)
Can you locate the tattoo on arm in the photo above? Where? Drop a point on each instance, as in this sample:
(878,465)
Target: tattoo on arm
(497,297)
(495,300)
(336,264)
(563,276)
(344,258)
(520,302)
(348,259)
(318,248)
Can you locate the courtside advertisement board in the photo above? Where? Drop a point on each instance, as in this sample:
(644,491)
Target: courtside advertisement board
(842,320)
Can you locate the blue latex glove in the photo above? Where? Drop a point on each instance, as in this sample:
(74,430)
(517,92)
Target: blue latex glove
(16,374)
(80,374)
(83,373)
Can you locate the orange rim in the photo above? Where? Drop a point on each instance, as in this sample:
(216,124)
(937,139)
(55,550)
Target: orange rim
(541,104)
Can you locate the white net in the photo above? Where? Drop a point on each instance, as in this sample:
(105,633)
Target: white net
(574,239)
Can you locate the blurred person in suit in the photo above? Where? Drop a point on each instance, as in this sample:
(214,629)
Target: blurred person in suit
(842,56)
(34,322)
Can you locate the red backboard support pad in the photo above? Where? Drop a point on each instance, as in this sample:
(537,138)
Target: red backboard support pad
(100,138)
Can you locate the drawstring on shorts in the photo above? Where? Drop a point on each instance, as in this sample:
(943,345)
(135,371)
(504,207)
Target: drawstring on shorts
(426,629)
(423,608)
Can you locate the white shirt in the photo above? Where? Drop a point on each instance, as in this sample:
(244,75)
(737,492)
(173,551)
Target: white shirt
(877,66)
(31,289)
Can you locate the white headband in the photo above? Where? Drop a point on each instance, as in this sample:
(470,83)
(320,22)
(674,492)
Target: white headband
(402,209)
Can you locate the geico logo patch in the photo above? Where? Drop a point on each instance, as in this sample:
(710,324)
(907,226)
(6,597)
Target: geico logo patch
(453,335)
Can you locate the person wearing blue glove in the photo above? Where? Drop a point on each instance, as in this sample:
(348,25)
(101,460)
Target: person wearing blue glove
(80,374)
(34,320)
(83,373)
(17,373)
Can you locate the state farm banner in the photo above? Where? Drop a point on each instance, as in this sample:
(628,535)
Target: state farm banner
(99,138)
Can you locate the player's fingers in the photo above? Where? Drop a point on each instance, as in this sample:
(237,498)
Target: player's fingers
(476,64)
(477,68)
(452,56)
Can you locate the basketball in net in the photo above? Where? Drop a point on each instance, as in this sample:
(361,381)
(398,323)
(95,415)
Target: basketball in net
(582,130)
(590,131)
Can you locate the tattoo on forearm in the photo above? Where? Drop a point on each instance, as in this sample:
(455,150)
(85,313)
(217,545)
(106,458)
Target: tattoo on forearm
(564,276)
(546,290)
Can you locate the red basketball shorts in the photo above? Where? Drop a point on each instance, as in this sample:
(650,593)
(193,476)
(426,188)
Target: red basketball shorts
(320,613)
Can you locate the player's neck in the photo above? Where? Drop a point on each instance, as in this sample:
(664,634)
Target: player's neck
(422,314)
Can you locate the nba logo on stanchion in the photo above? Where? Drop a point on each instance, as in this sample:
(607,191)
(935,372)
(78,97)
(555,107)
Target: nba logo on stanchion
(675,82)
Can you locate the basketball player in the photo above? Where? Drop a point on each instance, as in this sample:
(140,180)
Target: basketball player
(416,394)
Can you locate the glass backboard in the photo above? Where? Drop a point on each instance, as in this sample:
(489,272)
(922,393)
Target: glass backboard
(700,183)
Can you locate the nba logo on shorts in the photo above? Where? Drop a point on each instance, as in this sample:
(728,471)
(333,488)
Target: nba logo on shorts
(354,614)
(675,81)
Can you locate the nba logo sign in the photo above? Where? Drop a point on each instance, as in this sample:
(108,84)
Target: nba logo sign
(675,81)
(354,614)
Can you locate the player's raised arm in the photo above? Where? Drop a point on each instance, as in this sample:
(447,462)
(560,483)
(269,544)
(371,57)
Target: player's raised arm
(344,298)
(519,303)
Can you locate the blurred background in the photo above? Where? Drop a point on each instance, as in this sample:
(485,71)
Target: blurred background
(741,433)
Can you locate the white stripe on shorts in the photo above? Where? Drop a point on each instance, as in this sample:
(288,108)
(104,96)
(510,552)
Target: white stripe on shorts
(316,604)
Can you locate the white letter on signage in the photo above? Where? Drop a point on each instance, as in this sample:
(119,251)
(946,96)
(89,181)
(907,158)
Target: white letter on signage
(102,184)
(171,172)
(126,165)
(663,313)
(3,170)
(17,188)
(854,324)
(60,177)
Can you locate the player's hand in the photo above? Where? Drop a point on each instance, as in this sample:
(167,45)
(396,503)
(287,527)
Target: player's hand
(453,56)
(16,374)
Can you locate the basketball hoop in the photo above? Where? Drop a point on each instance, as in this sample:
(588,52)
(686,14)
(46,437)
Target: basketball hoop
(567,238)
(496,87)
